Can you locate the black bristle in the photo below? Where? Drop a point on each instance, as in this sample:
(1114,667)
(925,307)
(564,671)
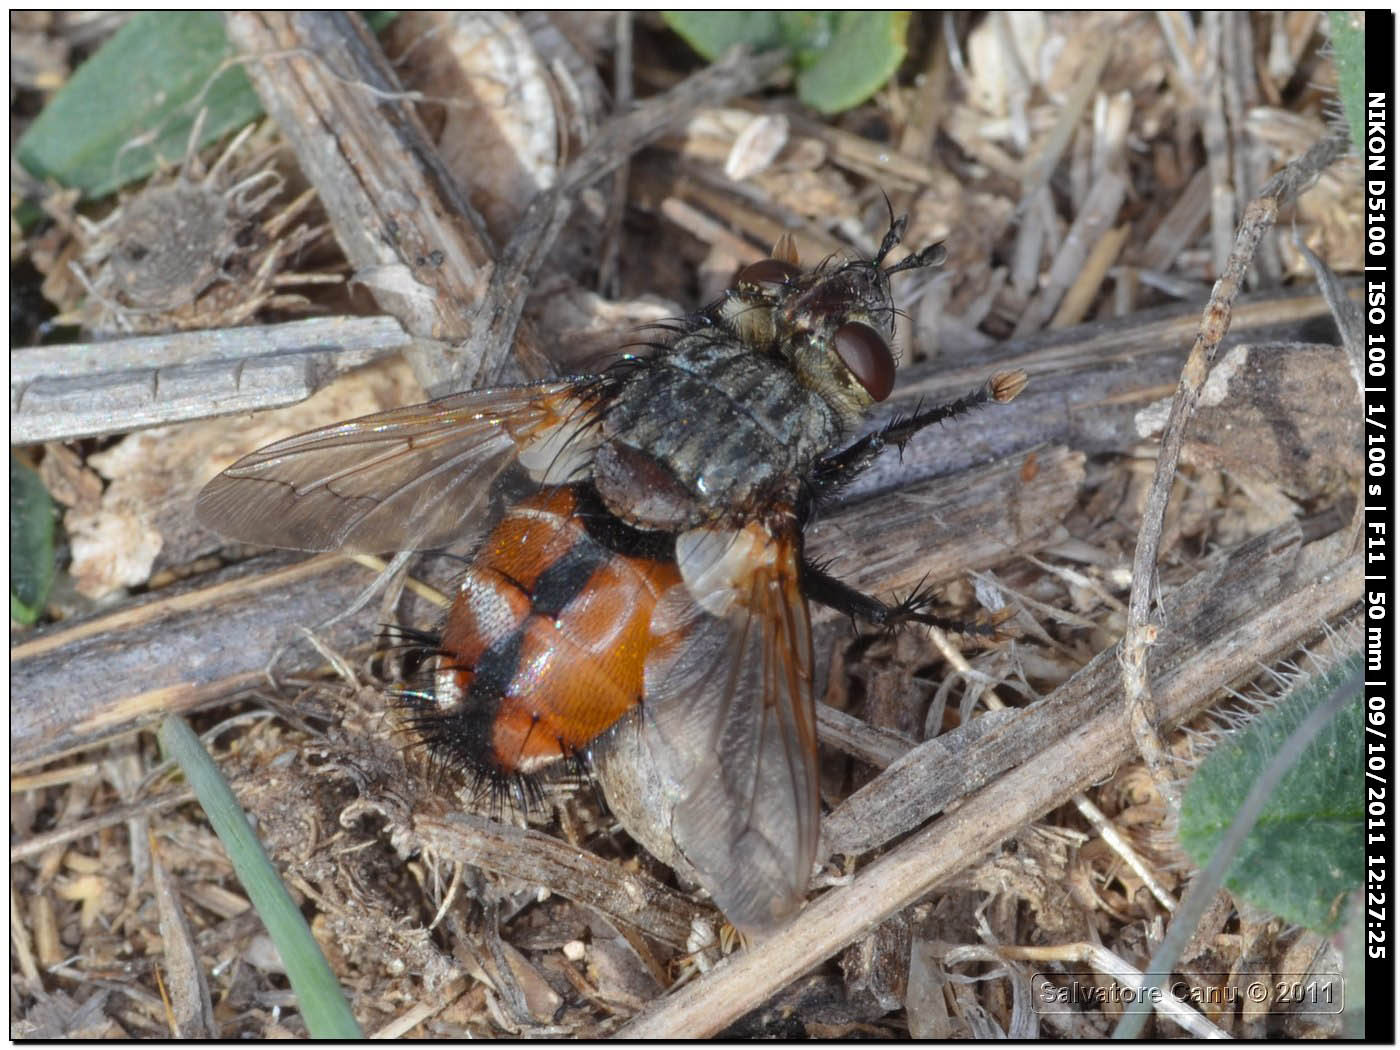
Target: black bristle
(452,741)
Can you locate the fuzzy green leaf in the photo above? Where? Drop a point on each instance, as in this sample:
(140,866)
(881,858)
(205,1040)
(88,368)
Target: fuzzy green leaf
(1349,52)
(1305,853)
(842,57)
(32,517)
(150,80)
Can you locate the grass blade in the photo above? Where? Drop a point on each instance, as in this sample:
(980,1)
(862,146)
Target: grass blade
(323,1004)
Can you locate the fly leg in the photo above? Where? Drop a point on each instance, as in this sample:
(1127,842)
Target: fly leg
(820,586)
(839,468)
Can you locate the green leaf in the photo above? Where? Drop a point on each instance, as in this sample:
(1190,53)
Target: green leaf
(32,517)
(1349,52)
(318,993)
(842,57)
(1306,852)
(151,79)
(866,49)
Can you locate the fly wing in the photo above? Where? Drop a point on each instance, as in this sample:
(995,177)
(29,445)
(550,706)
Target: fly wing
(728,715)
(402,479)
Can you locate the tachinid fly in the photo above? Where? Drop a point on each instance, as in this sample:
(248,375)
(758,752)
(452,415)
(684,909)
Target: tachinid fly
(657,568)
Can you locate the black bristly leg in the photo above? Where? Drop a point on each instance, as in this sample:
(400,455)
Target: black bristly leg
(839,468)
(835,470)
(820,586)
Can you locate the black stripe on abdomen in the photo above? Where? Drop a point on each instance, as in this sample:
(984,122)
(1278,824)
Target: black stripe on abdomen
(555,587)
(565,580)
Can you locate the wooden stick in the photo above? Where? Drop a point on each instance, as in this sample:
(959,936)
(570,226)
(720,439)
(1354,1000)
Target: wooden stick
(59,393)
(1140,635)
(399,214)
(482,358)
(928,778)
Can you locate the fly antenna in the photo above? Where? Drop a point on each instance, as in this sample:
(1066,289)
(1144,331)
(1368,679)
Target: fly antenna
(894,234)
(933,255)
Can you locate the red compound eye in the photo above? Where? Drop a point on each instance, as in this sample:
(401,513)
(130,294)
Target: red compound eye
(768,271)
(864,351)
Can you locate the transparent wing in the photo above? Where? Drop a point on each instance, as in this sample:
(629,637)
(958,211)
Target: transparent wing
(396,480)
(729,716)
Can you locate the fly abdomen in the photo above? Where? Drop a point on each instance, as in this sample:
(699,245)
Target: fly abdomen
(545,645)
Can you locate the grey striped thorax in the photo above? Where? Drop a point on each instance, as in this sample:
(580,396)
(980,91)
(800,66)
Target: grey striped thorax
(705,431)
(731,417)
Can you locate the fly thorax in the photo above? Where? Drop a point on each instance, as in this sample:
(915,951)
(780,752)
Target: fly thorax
(715,430)
(750,318)
(642,489)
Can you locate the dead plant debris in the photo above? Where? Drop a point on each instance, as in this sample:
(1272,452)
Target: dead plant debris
(1082,168)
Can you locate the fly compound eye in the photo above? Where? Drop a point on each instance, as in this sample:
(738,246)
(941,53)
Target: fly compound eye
(768,271)
(864,351)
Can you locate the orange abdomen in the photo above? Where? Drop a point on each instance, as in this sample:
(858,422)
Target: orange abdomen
(546,643)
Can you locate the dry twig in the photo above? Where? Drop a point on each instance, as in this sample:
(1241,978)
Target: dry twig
(399,215)
(1258,219)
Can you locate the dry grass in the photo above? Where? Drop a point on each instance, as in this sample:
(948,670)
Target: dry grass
(1079,186)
